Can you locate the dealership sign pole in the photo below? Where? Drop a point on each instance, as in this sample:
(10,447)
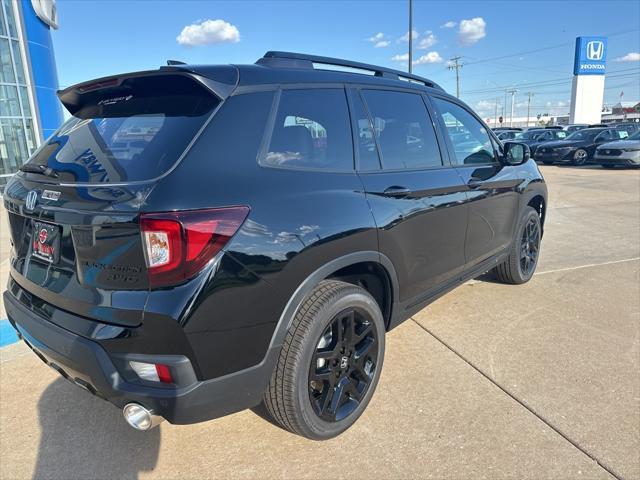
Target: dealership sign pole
(587,90)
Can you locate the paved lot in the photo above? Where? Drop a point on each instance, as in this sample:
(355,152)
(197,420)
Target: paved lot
(491,381)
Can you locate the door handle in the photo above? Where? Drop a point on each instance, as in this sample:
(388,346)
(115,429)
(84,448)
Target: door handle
(396,191)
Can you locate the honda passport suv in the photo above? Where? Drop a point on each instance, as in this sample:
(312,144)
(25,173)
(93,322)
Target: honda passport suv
(198,240)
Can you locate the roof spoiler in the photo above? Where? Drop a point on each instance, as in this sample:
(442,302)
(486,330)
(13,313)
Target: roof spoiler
(74,96)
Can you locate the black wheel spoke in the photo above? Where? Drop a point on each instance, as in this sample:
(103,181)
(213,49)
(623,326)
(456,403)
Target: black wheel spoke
(342,365)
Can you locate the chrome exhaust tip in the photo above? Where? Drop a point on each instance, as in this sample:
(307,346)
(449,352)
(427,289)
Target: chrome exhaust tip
(140,417)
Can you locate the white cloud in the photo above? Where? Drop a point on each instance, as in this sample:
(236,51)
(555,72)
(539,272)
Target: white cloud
(208,32)
(471,31)
(401,58)
(428,41)
(629,57)
(449,24)
(379,40)
(405,37)
(431,57)
(485,106)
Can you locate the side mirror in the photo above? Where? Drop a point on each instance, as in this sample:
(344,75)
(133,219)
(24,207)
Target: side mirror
(516,153)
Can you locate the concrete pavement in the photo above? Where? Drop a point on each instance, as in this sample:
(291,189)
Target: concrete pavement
(491,381)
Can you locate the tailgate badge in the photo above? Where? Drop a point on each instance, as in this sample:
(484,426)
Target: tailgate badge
(51,195)
(31,200)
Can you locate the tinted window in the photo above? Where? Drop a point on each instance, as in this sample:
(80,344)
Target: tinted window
(135,131)
(471,141)
(311,130)
(366,144)
(404,129)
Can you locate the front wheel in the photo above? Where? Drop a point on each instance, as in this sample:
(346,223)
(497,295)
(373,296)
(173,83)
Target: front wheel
(521,263)
(580,157)
(330,362)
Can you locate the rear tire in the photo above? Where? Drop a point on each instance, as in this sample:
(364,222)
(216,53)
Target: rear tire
(334,346)
(521,263)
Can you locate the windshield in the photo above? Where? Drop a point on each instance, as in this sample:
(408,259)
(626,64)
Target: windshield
(587,134)
(528,135)
(635,136)
(126,138)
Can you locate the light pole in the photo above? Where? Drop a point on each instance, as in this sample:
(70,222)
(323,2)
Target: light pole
(529,106)
(513,97)
(410,35)
(495,116)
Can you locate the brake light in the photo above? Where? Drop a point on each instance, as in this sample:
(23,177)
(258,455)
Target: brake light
(178,245)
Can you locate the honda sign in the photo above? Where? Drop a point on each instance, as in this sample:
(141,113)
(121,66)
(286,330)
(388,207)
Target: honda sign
(591,54)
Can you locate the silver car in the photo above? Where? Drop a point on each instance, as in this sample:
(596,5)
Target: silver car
(624,152)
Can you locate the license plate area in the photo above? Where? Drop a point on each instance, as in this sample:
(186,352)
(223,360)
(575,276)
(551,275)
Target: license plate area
(45,242)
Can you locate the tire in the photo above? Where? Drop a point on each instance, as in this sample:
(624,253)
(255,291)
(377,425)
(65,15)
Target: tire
(515,270)
(580,156)
(316,362)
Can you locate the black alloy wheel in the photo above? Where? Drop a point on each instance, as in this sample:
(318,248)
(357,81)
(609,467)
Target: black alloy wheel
(343,365)
(529,246)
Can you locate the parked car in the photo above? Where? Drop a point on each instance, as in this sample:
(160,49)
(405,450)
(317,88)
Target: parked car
(537,137)
(578,148)
(629,128)
(576,127)
(259,246)
(624,152)
(507,129)
(505,135)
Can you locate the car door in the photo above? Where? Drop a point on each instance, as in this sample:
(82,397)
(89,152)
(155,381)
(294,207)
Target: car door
(491,185)
(418,201)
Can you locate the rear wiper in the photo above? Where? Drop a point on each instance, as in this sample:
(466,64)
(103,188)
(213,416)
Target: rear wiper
(41,169)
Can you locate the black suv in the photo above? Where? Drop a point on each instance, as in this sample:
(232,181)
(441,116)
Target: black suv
(197,240)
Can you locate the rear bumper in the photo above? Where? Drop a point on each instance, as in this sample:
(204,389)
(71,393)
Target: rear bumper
(87,364)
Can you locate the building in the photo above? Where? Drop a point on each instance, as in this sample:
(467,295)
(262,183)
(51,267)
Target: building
(29,108)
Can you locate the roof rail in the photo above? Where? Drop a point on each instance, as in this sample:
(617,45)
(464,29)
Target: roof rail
(301,60)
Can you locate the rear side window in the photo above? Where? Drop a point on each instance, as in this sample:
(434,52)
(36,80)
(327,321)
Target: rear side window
(366,142)
(404,130)
(311,130)
(133,131)
(471,142)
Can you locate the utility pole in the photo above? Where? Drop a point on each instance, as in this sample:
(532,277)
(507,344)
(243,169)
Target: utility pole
(528,106)
(454,63)
(410,35)
(513,96)
(495,116)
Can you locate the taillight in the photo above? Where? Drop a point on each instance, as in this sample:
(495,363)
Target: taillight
(179,244)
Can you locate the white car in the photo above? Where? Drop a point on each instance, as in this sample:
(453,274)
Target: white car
(619,152)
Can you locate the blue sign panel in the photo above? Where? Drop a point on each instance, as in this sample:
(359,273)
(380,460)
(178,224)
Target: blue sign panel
(591,55)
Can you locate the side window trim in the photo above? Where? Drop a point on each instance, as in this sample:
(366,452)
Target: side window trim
(270,127)
(444,159)
(494,141)
(352,93)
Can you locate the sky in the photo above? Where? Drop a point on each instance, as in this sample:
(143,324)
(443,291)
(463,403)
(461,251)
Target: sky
(508,44)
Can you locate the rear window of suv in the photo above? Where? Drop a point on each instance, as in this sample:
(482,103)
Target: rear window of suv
(134,131)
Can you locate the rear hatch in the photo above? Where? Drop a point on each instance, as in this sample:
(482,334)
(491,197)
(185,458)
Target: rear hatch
(74,206)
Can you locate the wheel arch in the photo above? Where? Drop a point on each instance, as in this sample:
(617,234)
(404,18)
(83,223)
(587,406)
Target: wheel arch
(347,267)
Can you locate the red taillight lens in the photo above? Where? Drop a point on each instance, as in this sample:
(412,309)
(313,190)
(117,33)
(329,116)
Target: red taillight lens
(179,244)
(164,374)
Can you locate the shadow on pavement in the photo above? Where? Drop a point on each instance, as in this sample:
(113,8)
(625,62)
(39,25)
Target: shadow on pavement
(85,437)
